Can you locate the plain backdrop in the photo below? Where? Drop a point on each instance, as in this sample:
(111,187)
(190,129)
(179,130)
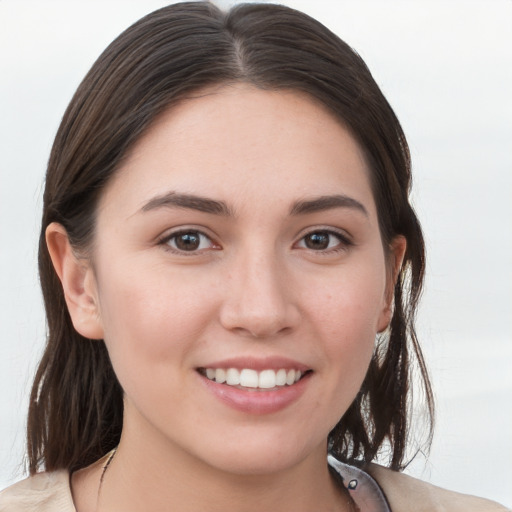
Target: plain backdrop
(446,68)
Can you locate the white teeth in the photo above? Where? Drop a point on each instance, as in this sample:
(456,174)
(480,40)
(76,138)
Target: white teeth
(281,377)
(267,379)
(220,375)
(233,377)
(248,378)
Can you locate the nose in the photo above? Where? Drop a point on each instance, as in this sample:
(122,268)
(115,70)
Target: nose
(259,302)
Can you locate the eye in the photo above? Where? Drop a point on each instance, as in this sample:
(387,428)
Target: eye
(324,240)
(189,240)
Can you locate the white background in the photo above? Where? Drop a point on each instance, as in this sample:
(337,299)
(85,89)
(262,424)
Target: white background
(446,68)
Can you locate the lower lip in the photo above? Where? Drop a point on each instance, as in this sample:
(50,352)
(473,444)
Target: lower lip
(256,401)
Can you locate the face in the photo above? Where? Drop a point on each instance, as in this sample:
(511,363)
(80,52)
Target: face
(240,241)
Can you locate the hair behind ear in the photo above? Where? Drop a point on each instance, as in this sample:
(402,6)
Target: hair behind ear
(76,403)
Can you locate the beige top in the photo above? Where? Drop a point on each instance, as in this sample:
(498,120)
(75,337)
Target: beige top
(50,492)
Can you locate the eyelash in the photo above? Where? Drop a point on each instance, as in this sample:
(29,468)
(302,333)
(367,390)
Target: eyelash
(343,239)
(165,241)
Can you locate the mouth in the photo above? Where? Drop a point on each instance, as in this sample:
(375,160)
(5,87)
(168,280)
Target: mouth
(257,386)
(252,380)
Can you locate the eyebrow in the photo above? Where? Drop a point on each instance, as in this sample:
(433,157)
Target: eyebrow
(207,205)
(322,203)
(189,201)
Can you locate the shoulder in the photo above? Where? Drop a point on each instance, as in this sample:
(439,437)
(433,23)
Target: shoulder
(43,492)
(406,493)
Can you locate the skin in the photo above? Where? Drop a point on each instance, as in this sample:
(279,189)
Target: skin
(255,287)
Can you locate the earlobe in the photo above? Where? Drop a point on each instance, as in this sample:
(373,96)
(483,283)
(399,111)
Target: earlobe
(78,282)
(397,250)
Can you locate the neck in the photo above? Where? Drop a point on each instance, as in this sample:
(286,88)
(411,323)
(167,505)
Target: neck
(145,475)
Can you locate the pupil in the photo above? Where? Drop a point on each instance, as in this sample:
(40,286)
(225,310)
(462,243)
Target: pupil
(188,241)
(317,241)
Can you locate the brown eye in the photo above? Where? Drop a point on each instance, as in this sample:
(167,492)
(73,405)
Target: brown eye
(189,241)
(319,240)
(324,240)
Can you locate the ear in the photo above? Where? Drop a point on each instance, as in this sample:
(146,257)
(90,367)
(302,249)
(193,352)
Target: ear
(78,282)
(395,258)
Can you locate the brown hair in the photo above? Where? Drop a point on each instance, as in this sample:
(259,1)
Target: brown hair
(76,405)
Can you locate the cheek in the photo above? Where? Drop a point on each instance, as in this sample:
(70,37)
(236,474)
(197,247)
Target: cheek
(349,340)
(151,317)
(351,302)
(346,316)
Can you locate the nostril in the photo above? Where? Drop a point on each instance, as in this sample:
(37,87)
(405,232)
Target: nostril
(258,324)
(259,304)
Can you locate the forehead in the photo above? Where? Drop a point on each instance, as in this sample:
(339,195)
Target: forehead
(240,141)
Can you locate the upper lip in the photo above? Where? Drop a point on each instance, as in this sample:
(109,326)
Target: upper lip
(258,363)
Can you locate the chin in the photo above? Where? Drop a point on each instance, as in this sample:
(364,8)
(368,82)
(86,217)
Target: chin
(262,458)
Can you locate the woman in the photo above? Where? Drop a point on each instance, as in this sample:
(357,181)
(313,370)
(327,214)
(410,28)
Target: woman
(230,267)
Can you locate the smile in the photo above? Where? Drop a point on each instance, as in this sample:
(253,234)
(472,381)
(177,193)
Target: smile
(249,378)
(256,386)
